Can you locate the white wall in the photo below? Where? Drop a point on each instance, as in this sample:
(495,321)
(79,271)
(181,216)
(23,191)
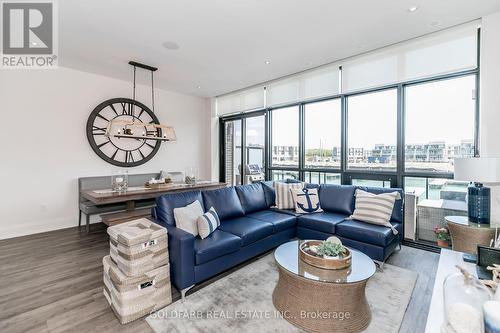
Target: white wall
(490,86)
(490,99)
(45,149)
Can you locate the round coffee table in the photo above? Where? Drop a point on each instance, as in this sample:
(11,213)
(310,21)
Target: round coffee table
(322,300)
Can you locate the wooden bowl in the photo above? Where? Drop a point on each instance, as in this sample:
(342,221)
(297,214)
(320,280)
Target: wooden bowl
(326,263)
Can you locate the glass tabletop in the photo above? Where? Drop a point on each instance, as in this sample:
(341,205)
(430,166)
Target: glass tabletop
(287,256)
(464,220)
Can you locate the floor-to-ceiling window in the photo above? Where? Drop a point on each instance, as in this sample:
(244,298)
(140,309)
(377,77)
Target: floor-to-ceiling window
(285,138)
(372,131)
(394,118)
(439,127)
(439,124)
(322,134)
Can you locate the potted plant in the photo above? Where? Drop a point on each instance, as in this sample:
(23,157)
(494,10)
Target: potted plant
(443,236)
(331,250)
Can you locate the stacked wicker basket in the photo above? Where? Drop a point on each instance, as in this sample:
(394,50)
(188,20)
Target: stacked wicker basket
(137,271)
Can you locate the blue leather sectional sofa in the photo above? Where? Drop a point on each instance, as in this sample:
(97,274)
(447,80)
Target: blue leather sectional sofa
(249,227)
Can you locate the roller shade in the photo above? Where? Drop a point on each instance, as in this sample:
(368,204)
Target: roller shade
(245,100)
(440,53)
(316,83)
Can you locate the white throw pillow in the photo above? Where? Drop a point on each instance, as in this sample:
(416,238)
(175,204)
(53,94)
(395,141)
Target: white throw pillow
(375,208)
(208,223)
(186,217)
(306,200)
(284,199)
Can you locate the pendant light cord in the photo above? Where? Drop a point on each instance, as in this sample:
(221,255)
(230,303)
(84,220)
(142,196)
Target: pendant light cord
(133,105)
(134,86)
(153,91)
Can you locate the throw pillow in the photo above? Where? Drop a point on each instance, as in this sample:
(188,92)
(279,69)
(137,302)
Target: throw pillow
(284,199)
(306,200)
(208,222)
(186,217)
(375,208)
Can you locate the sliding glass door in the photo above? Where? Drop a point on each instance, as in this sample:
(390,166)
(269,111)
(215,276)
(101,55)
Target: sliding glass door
(244,165)
(254,154)
(232,151)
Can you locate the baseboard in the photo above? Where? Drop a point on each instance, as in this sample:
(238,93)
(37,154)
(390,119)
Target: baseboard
(31,228)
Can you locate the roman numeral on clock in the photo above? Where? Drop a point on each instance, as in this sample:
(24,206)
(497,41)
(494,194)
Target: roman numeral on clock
(129,157)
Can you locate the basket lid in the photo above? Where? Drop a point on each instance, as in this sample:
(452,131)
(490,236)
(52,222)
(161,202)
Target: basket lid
(136,232)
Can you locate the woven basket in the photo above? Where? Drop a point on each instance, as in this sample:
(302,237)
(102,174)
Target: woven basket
(138,246)
(132,298)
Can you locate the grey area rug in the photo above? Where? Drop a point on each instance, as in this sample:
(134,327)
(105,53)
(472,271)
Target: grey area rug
(242,302)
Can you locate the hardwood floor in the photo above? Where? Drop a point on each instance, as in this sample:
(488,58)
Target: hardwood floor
(52,282)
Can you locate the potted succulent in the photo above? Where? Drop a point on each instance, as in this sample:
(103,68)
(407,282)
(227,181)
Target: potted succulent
(330,250)
(443,236)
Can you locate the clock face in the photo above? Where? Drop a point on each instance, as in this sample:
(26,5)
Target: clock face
(122,151)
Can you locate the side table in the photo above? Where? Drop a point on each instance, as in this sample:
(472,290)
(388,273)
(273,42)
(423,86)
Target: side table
(466,235)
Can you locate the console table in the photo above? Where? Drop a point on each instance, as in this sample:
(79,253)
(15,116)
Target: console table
(447,261)
(101,197)
(133,194)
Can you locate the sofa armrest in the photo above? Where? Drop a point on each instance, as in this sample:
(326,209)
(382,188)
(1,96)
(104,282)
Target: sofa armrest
(181,253)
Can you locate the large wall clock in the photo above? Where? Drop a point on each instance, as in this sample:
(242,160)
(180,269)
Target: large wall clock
(122,151)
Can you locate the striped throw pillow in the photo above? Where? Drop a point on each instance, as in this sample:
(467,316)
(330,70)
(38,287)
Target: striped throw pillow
(375,208)
(284,198)
(207,223)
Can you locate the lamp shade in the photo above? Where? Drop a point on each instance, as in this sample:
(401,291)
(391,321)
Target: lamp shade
(169,133)
(478,169)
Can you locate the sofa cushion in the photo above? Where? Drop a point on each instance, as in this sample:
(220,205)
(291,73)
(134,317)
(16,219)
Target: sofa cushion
(217,244)
(337,198)
(248,229)
(324,222)
(269,193)
(252,197)
(397,212)
(368,233)
(166,203)
(278,220)
(225,202)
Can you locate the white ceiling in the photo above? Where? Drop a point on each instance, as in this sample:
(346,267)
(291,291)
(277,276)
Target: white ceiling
(223,44)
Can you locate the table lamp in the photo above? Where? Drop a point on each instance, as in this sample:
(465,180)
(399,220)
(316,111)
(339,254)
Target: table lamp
(477,171)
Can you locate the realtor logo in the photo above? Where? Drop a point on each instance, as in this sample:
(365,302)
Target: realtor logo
(28,34)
